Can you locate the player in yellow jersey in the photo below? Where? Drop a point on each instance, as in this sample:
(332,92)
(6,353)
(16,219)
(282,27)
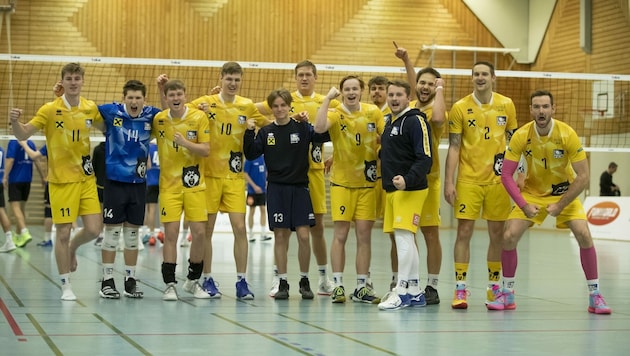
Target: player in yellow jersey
(479,125)
(67,122)
(557,172)
(182,138)
(306,99)
(354,129)
(227,114)
(429,93)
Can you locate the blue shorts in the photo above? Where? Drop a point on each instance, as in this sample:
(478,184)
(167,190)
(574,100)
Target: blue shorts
(289,206)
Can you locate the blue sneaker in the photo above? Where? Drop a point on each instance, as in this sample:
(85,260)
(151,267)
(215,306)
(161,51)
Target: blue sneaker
(242,290)
(211,288)
(145,238)
(418,300)
(47,243)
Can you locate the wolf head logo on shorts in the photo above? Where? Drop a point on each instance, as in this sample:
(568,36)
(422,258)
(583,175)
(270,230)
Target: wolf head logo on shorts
(498,163)
(316,152)
(141,167)
(236,162)
(86,163)
(559,189)
(370,171)
(191,176)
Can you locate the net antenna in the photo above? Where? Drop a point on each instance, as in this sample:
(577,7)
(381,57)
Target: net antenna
(7,8)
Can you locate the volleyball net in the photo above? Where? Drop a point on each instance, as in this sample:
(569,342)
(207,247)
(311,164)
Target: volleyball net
(595,105)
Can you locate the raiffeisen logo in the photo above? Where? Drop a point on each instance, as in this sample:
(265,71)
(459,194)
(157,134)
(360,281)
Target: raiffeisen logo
(603,213)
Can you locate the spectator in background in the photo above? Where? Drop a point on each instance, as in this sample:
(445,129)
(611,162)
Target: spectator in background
(8,245)
(606,186)
(19,174)
(98,159)
(256,176)
(40,158)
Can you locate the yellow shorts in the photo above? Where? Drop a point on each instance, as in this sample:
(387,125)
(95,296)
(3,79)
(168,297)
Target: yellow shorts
(349,204)
(192,204)
(317,188)
(471,198)
(71,200)
(403,209)
(431,209)
(380,199)
(573,211)
(226,195)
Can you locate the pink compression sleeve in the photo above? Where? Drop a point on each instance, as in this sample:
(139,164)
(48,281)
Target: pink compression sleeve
(507,178)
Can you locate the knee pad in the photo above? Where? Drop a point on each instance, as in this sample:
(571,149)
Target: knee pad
(130,235)
(110,238)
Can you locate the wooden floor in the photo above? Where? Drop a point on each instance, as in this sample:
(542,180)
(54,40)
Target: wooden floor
(551,317)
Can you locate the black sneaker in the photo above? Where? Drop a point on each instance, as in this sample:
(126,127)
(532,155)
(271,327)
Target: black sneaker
(283,290)
(431,295)
(305,288)
(132,290)
(108,290)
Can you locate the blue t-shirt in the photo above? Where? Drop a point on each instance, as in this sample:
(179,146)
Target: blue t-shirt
(22,169)
(44,151)
(126,142)
(153,173)
(257,171)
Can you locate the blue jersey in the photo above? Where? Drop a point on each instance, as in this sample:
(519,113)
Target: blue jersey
(1,164)
(22,169)
(126,142)
(44,151)
(257,171)
(153,173)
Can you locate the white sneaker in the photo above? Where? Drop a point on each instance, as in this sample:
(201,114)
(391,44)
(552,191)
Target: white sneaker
(326,286)
(67,293)
(274,287)
(393,301)
(188,286)
(8,246)
(170,293)
(199,292)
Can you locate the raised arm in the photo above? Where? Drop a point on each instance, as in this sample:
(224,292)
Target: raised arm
(321,119)
(402,53)
(161,80)
(20,130)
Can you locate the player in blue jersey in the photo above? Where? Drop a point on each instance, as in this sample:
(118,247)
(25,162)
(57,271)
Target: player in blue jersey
(255,173)
(127,128)
(153,191)
(8,245)
(19,175)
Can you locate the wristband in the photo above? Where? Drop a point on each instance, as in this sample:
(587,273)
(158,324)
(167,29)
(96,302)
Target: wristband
(439,87)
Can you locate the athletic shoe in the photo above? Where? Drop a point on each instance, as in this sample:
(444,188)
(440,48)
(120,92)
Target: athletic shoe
(108,290)
(132,290)
(145,238)
(339,295)
(283,290)
(8,246)
(47,243)
(185,241)
(98,241)
(597,304)
(170,293)
(418,300)
(365,295)
(274,287)
(160,236)
(242,290)
(66,292)
(305,288)
(460,296)
(431,295)
(491,292)
(394,301)
(22,240)
(392,285)
(326,286)
(151,240)
(503,300)
(198,292)
(211,288)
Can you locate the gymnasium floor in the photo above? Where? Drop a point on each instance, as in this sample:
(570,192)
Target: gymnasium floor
(551,317)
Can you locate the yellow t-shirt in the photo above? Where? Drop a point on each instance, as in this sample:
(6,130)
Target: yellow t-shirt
(180,169)
(354,137)
(227,124)
(67,131)
(483,128)
(547,158)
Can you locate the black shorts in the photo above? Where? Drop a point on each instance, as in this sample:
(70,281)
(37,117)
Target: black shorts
(47,211)
(2,203)
(123,202)
(289,206)
(99,191)
(153,192)
(256,199)
(19,191)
